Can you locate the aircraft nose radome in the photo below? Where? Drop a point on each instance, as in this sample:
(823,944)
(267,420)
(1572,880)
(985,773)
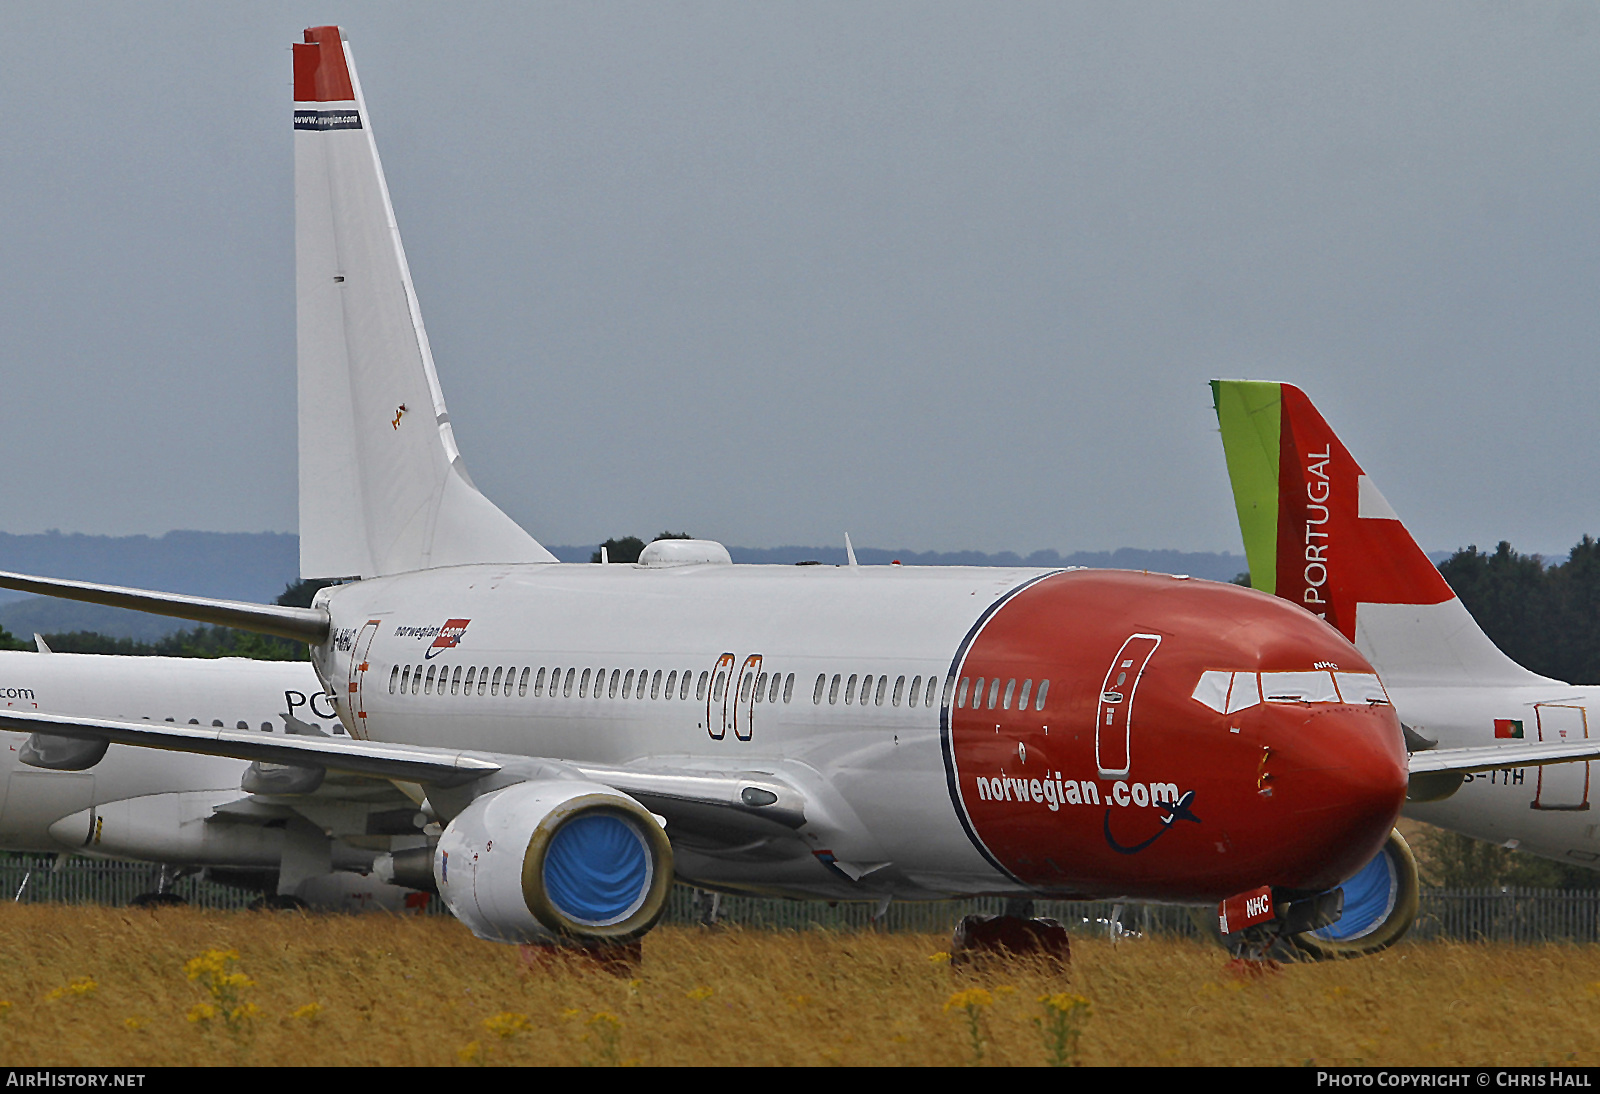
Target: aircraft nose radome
(1341,776)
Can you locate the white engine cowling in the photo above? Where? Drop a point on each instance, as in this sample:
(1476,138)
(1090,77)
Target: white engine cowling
(1380,904)
(555,858)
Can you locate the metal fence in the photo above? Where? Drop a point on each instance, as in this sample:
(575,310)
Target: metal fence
(1468,915)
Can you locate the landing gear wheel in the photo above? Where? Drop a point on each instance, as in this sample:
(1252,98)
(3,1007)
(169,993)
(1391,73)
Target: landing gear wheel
(278,902)
(157,900)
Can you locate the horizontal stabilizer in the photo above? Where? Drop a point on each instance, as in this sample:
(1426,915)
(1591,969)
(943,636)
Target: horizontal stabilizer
(300,624)
(1493,757)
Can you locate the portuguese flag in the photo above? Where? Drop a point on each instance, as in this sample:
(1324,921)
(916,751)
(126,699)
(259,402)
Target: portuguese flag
(1508,728)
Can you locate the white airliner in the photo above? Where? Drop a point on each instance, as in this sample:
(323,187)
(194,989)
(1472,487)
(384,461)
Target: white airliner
(183,811)
(1318,532)
(590,731)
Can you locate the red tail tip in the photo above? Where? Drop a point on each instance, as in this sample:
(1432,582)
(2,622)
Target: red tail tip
(320,72)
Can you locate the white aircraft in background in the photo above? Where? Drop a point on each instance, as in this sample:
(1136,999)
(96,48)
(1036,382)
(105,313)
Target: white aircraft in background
(189,812)
(1318,533)
(589,731)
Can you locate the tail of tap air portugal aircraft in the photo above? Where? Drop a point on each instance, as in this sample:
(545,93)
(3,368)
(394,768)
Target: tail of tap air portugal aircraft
(369,396)
(1318,532)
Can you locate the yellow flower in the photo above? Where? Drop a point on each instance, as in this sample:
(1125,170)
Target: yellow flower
(311,1012)
(605,1018)
(570,1013)
(201,1012)
(1064,1002)
(506,1024)
(699,995)
(972,999)
(5,1007)
(83,985)
(940,958)
(470,1053)
(134,1025)
(212,963)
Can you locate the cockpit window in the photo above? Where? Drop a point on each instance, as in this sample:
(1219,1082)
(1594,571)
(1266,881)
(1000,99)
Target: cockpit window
(1229,692)
(1298,687)
(1360,687)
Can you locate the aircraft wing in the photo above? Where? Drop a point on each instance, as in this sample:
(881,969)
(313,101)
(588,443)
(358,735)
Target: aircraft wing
(388,761)
(1490,757)
(712,807)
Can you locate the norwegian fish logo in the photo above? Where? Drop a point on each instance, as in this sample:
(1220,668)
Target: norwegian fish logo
(449,637)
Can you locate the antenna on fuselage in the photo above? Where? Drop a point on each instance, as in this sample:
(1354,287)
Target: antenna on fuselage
(849,552)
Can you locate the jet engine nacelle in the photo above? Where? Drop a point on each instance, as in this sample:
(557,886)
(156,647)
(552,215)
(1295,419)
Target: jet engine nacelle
(1380,904)
(555,859)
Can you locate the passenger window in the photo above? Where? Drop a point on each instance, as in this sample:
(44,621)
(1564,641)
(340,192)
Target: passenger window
(455,681)
(850,690)
(566,684)
(700,685)
(866,690)
(216,723)
(427,685)
(761,688)
(194,721)
(483,679)
(494,687)
(638,691)
(242,725)
(833,690)
(949,682)
(627,684)
(266,727)
(416,680)
(772,693)
(716,691)
(961,696)
(394,674)
(1011,687)
(915,692)
(522,685)
(816,692)
(583,685)
(1038,702)
(883,684)
(655,685)
(744,688)
(472,674)
(683,686)
(1022,700)
(788,687)
(405,678)
(994,691)
(538,683)
(672,682)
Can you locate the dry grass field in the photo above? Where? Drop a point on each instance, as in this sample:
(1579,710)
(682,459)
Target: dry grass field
(103,986)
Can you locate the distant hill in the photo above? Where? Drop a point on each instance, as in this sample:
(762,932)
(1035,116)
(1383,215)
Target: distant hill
(236,565)
(257,565)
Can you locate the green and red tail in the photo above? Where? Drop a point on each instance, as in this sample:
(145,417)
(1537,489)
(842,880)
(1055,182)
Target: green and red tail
(1318,532)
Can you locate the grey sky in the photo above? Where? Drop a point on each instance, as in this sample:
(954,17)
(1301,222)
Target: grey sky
(946,276)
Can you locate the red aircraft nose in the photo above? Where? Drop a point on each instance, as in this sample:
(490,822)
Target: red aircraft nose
(1138,735)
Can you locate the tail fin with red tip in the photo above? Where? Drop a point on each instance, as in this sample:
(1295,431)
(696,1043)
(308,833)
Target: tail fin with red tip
(383,488)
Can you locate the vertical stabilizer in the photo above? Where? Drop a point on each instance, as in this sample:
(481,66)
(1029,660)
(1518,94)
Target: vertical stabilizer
(1318,532)
(382,487)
